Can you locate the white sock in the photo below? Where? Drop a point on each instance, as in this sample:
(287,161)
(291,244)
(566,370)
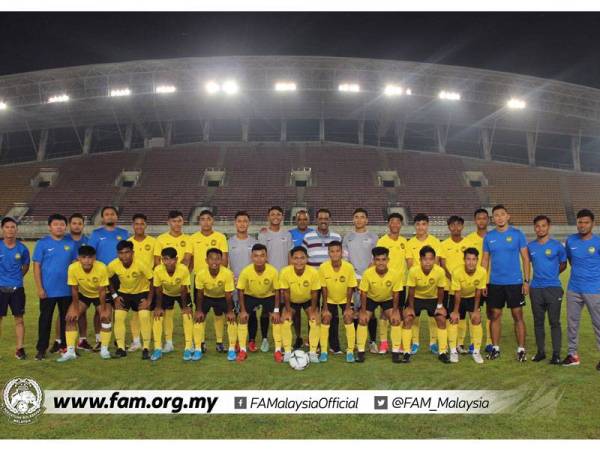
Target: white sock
(453,351)
(242,349)
(103,348)
(497,348)
(136,341)
(71,349)
(58,340)
(97,337)
(520,349)
(170,342)
(476,351)
(231,349)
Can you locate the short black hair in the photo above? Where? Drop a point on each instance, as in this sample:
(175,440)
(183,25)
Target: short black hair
(53,217)
(298,248)
(76,216)
(395,216)
(206,212)
(275,208)
(585,213)
(361,210)
(420,217)
(323,210)
(169,252)
(481,211)
(454,219)
(334,244)
(426,249)
(8,219)
(241,213)
(122,245)
(106,208)
(542,217)
(380,251)
(497,207)
(86,250)
(259,247)
(139,216)
(174,214)
(214,250)
(471,251)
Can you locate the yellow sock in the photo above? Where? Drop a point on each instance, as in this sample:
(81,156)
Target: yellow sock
(71,338)
(396,337)
(362,333)
(488,333)
(242,332)
(188,330)
(406,339)
(134,325)
(157,331)
(452,332)
(277,336)
(416,330)
(462,331)
(313,335)
(350,337)
(145,322)
(286,335)
(324,340)
(219,325)
(477,336)
(383,325)
(442,340)
(120,317)
(198,331)
(168,324)
(432,330)
(105,336)
(232,333)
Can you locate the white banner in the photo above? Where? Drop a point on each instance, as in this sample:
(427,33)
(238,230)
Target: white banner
(280,402)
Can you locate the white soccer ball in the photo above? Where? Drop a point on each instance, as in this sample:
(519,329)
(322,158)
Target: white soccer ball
(299,360)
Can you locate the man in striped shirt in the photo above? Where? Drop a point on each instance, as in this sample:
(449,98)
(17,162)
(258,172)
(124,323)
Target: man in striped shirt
(316,241)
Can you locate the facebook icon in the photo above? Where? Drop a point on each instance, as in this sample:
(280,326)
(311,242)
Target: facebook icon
(240,403)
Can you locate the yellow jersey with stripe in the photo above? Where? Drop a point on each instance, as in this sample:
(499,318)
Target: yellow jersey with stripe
(215,286)
(467,284)
(380,288)
(426,285)
(337,281)
(88,283)
(172,284)
(134,279)
(259,285)
(300,286)
(144,250)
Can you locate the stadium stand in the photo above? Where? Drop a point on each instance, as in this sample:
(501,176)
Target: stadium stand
(15,185)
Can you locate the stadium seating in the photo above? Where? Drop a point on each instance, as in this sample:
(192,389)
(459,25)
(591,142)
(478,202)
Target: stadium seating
(15,185)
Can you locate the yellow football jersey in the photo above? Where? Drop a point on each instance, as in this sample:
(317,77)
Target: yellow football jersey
(452,252)
(201,244)
(338,281)
(300,286)
(144,250)
(172,284)
(180,243)
(468,284)
(134,279)
(215,287)
(426,285)
(415,245)
(381,288)
(88,283)
(259,285)
(398,249)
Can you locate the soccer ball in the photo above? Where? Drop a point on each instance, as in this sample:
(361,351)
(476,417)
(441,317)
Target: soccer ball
(299,360)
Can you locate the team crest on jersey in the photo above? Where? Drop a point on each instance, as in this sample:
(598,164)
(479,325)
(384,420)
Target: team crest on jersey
(182,243)
(134,274)
(67,248)
(476,282)
(548,252)
(509,239)
(431,281)
(147,247)
(591,250)
(463,248)
(95,279)
(267,281)
(119,238)
(402,246)
(213,242)
(220,283)
(342,279)
(305,283)
(177,280)
(388,283)
(17,256)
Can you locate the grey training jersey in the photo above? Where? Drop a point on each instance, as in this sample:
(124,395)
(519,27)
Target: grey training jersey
(240,253)
(278,243)
(357,249)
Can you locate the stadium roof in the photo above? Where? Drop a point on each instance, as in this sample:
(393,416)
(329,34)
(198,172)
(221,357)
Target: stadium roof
(552,106)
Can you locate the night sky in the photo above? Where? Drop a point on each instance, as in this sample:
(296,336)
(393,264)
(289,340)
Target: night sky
(563,46)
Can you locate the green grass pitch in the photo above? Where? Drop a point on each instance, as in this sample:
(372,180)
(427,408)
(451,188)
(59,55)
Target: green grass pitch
(561,402)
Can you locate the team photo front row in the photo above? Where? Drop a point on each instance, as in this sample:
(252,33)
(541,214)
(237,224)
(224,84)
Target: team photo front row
(283,273)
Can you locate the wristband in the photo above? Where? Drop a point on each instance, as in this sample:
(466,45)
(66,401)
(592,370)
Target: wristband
(275,310)
(114,296)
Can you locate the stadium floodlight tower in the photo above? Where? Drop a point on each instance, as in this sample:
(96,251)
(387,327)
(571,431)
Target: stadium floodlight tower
(165,89)
(60,98)
(516,103)
(124,92)
(285,86)
(349,87)
(3,106)
(393,90)
(230,87)
(449,95)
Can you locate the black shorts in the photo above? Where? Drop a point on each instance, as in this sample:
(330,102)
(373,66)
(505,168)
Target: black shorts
(509,295)
(219,305)
(94,301)
(13,297)
(298,306)
(372,305)
(168,302)
(482,300)
(466,305)
(427,304)
(252,303)
(132,301)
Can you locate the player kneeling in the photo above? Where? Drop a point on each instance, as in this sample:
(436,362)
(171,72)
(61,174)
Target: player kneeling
(172,283)
(88,279)
(380,286)
(468,282)
(214,289)
(426,282)
(258,286)
(135,280)
(300,286)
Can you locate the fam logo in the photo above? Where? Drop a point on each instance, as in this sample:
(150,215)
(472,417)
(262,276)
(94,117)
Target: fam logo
(463,248)
(182,243)
(119,238)
(67,248)
(388,283)
(591,250)
(266,281)
(23,400)
(305,283)
(342,279)
(17,256)
(220,283)
(548,252)
(476,282)
(213,242)
(135,274)
(95,279)
(147,247)
(431,281)
(402,246)
(177,280)
(508,238)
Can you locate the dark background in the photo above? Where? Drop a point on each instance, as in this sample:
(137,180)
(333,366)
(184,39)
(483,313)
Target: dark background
(552,45)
